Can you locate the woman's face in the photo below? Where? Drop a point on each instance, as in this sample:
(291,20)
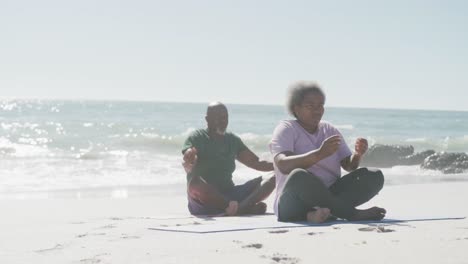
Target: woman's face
(310,111)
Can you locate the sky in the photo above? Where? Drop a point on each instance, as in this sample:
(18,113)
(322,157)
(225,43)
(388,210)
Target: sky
(372,54)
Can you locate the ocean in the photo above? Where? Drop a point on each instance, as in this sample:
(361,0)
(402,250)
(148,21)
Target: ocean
(120,148)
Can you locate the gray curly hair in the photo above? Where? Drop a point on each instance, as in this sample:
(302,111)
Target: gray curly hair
(298,90)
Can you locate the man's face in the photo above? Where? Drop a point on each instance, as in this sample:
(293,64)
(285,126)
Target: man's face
(311,110)
(217,120)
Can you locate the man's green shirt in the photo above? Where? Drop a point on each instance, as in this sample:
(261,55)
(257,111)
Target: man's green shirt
(216,158)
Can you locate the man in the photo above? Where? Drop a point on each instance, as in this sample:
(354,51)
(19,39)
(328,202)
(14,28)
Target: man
(209,161)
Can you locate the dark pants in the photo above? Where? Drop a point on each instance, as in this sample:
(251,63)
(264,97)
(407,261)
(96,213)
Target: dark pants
(304,191)
(237,193)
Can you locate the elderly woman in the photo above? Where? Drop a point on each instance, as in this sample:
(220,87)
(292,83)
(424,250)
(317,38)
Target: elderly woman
(308,156)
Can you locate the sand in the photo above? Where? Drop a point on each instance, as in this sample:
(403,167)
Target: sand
(105,230)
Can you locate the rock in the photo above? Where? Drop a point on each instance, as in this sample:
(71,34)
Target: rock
(417,158)
(386,156)
(447,162)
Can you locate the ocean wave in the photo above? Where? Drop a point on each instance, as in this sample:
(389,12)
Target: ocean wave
(448,144)
(28,149)
(52,145)
(124,169)
(256,142)
(399,175)
(174,143)
(345,127)
(92,147)
(259,142)
(8,105)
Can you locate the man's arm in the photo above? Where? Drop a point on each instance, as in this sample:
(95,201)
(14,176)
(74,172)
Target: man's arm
(287,161)
(249,159)
(351,163)
(190,159)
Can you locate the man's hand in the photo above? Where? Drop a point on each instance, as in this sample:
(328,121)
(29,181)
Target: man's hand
(360,147)
(249,159)
(190,159)
(330,146)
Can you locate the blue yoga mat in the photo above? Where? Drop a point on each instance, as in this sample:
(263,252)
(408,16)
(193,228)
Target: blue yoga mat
(204,225)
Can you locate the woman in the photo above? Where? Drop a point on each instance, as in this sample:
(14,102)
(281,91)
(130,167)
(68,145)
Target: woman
(308,156)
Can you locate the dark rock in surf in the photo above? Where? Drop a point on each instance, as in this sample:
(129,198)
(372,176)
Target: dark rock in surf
(447,162)
(386,156)
(417,158)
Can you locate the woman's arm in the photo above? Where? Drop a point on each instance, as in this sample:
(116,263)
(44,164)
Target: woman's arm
(351,163)
(287,161)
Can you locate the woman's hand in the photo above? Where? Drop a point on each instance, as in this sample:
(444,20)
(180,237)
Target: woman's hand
(330,146)
(360,146)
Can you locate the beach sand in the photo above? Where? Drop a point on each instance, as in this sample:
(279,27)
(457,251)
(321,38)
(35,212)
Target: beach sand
(105,230)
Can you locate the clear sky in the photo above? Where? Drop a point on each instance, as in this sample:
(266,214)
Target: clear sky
(385,54)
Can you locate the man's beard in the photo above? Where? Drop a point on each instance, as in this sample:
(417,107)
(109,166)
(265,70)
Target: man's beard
(220,131)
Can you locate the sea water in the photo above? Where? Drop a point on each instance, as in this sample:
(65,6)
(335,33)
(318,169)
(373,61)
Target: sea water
(49,146)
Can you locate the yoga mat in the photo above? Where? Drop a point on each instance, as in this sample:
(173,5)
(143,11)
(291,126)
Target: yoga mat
(204,225)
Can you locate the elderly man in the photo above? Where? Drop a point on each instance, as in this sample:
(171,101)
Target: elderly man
(209,161)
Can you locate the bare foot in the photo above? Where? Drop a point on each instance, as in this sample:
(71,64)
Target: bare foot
(320,215)
(373,213)
(232,208)
(258,209)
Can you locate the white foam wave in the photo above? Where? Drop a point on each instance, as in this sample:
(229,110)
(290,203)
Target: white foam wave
(23,150)
(415,174)
(418,140)
(52,174)
(345,127)
(187,132)
(397,175)
(8,106)
(120,168)
(119,153)
(447,144)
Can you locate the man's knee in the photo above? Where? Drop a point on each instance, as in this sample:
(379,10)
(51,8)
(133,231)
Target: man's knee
(197,188)
(269,181)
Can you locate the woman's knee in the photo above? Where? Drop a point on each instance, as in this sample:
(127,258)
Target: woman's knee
(378,177)
(374,177)
(300,179)
(299,175)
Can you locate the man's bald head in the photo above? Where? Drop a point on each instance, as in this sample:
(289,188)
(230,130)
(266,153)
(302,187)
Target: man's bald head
(214,107)
(217,118)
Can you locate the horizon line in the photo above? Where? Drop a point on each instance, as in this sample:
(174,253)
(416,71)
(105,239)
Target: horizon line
(207,102)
